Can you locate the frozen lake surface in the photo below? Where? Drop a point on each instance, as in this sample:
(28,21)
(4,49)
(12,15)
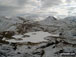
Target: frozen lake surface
(31,37)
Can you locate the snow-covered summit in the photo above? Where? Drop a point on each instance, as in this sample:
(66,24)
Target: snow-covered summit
(49,20)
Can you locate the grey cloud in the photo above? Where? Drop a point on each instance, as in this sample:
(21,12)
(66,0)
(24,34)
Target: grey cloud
(7,9)
(22,2)
(10,7)
(50,3)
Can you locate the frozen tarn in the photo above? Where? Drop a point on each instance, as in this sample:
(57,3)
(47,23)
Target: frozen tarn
(39,37)
(34,37)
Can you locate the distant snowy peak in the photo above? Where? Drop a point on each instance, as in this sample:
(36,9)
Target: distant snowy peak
(71,18)
(50,20)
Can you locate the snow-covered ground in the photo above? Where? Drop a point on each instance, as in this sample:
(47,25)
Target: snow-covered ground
(52,47)
(32,37)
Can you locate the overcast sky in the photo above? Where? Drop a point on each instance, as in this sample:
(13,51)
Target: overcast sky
(39,7)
